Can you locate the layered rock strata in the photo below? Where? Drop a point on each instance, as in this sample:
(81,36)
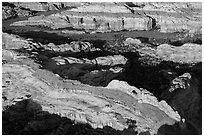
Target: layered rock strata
(62,77)
(97,106)
(168,17)
(188,53)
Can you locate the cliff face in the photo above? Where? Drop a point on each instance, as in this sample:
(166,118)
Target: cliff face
(101,68)
(106,17)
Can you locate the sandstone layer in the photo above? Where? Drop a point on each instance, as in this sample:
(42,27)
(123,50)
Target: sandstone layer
(101,68)
(168,17)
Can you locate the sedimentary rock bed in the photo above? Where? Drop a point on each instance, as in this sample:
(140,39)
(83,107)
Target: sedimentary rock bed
(105,17)
(101,68)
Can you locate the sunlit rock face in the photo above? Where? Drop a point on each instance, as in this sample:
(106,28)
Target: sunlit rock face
(112,106)
(101,68)
(105,17)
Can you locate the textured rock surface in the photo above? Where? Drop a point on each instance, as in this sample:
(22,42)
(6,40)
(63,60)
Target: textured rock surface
(168,17)
(83,103)
(9,11)
(38,92)
(188,53)
(85,69)
(173,17)
(140,75)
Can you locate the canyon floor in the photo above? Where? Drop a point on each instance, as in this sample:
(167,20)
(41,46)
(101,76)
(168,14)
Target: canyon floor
(88,68)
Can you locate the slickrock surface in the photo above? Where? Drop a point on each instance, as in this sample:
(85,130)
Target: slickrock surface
(101,68)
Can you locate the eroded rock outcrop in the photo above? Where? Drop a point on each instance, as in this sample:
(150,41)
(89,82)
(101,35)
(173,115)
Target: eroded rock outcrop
(82,103)
(168,17)
(45,6)
(10,11)
(61,77)
(85,70)
(11,41)
(188,53)
(172,17)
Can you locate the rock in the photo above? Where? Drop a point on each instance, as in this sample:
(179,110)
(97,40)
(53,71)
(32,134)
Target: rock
(182,82)
(106,17)
(70,100)
(84,69)
(14,42)
(92,22)
(7,55)
(99,78)
(183,95)
(188,53)
(54,84)
(35,6)
(173,17)
(74,46)
(129,41)
(46,6)
(8,12)
(110,60)
(97,62)
(102,7)
(143,96)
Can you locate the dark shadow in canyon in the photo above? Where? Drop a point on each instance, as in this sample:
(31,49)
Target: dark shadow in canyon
(46,35)
(136,73)
(27,118)
(176,130)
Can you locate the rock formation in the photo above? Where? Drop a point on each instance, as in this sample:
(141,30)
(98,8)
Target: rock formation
(101,68)
(183,96)
(116,17)
(91,105)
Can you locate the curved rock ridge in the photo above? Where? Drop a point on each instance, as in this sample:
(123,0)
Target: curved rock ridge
(106,17)
(82,103)
(144,96)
